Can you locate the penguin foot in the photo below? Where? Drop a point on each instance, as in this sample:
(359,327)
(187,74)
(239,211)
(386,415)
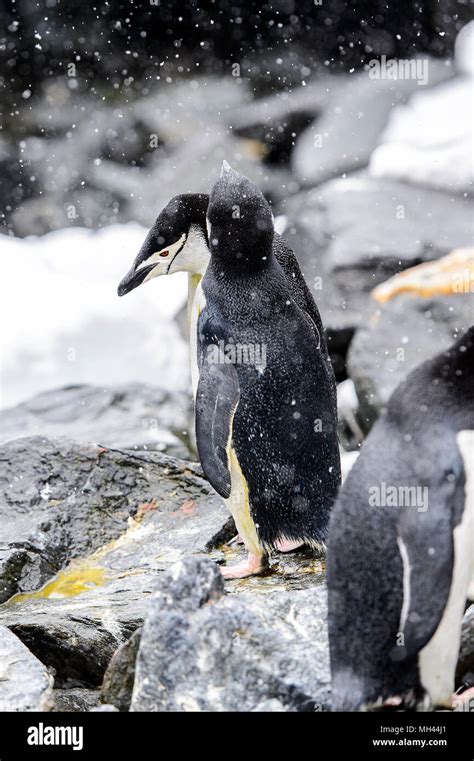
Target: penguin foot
(287,545)
(254,565)
(463,701)
(236,540)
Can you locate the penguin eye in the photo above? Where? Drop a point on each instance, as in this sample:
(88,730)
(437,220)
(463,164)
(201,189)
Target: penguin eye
(164,253)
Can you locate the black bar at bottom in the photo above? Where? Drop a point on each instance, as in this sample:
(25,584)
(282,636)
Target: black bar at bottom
(102,735)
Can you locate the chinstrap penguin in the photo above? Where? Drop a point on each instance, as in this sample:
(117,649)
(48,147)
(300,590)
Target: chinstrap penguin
(401,544)
(178,242)
(266,426)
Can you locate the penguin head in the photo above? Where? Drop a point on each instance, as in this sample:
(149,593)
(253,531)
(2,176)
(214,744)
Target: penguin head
(177,242)
(239,221)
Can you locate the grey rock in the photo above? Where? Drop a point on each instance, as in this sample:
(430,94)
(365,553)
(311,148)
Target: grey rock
(278,120)
(201,650)
(399,336)
(87,173)
(343,138)
(350,235)
(429,140)
(119,678)
(60,501)
(465,667)
(76,699)
(49,511)
(127,416)
(175,114)
(26,685)
(71,207)
(105,708)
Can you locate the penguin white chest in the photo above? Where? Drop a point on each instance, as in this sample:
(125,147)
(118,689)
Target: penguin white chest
(196,304)
(437,660)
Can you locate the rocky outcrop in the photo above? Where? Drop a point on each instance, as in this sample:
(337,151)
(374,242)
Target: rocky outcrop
(128,416)
(106,523)
(119,678)
(201,650)
(414,147)
(345,134)
(76,699)
(26,685)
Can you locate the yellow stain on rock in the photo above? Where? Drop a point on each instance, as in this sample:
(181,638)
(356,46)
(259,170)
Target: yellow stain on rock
(83,575)
(74,580)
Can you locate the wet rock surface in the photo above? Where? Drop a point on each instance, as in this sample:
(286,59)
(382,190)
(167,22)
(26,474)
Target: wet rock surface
(203,650)
(399,336)
(26,684)
(92,530)
(107,522)
(120,161)
(49,509)
(140,618)
(129,416)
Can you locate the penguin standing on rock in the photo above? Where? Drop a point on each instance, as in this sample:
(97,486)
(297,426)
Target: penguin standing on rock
(265,415)
(401,544)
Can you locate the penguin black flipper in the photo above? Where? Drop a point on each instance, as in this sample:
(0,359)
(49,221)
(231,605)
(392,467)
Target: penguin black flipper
(425,542)
(216,401)
(299,288)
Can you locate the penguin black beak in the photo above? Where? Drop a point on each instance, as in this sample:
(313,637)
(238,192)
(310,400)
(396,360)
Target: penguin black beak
(134,278)
(137,274)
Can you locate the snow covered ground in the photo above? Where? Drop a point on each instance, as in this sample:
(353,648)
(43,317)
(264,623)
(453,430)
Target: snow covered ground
(63,322)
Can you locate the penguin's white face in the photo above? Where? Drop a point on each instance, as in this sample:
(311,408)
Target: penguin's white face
(162,259)
(189,253)
(194,255)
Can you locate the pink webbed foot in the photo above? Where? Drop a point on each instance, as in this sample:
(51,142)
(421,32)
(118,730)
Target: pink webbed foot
(254,565)
(287,545)
(463,701)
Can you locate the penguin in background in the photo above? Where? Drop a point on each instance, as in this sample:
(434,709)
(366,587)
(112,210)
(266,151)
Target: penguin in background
(178,242)
(266,426)
(401,544)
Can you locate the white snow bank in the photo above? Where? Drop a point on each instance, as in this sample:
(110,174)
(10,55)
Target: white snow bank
(63,322)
